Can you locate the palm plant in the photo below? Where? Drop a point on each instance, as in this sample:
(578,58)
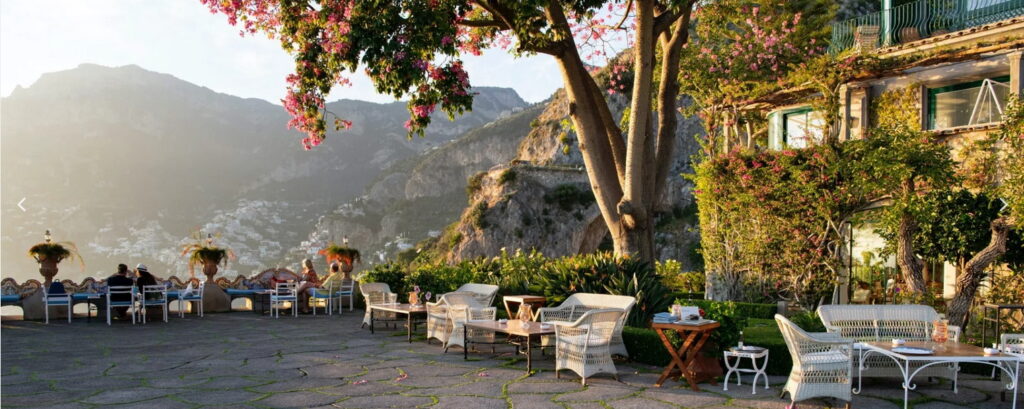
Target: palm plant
(206,254)
(49,253)
(344,254)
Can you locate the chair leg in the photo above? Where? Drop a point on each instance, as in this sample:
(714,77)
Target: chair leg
(46,312)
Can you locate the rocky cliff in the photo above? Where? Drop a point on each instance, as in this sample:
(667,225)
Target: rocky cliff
(542,200)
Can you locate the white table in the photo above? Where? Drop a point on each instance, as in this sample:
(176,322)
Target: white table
(955,353)
(754,354)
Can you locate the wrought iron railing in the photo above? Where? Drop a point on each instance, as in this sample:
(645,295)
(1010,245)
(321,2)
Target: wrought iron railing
(918,20)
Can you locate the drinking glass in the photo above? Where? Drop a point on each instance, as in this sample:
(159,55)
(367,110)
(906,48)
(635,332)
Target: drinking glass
(940,332)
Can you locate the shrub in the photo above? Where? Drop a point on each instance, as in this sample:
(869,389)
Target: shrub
(440,278)
(478,216)
(808,321)
(743,309)
(474,184)
(509,175)
(605,273)
(568,196)
(645,346)
(672,275)
(391,273)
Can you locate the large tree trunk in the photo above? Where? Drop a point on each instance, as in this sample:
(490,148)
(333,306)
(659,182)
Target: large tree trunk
(971,272)
(910,265)
(627,176)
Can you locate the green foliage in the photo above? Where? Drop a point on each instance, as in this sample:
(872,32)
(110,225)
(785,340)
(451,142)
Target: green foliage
(474,184)
(391,273)
(345,254)
(568,196)
(808,321)
(645,346)
(674,278)
(743,309)
(955,225)
(508,176)
(478,216)
(604,273)
(897,109)
(50,251)
(730,315)
(769,221)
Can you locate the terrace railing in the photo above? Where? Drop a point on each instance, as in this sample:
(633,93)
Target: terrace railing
(918,20)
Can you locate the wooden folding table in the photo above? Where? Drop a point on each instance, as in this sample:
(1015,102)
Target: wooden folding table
(684,358)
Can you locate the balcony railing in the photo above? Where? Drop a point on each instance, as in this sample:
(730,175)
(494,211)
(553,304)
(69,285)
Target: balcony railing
(918,20)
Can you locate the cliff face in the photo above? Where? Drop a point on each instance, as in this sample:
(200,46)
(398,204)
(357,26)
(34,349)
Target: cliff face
(417,197)
(542,200)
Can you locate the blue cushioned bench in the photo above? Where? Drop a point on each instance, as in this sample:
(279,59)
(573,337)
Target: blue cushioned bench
(10,299)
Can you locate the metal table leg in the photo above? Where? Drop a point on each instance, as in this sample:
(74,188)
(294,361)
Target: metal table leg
(529,355)
(371,320)
(465,341)
(408,326)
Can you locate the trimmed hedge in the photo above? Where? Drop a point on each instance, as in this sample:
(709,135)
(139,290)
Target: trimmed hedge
(645,346)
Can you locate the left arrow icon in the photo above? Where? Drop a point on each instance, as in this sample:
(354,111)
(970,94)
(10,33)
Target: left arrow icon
(20,206)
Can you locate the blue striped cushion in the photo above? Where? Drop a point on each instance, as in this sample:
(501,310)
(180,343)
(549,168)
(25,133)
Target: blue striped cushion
(121,303)
(57,301)
(10,298)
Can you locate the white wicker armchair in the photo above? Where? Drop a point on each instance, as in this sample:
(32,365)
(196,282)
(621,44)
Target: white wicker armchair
(484,293)
(578,304)
(374,294)
(462,307)
(884,322)
(584,346)
(438,323)
(822,364)
(1011,344)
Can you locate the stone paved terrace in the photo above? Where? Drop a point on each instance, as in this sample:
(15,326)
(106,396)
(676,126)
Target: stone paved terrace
(244,360)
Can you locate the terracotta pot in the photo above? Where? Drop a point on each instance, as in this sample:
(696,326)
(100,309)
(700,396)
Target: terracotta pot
(210,269)
(48,268)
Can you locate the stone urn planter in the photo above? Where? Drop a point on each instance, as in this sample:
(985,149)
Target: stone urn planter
(49,253)
(343,255)
(210,257)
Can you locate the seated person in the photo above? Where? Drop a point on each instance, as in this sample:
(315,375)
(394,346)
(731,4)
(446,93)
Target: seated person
(309,280)
(120,279)
(144,278)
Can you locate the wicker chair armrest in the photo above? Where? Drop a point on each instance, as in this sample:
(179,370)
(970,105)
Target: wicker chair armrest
(829,338)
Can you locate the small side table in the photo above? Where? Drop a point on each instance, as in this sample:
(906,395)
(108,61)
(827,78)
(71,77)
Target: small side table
(684,359)
(734,366)
(535,302)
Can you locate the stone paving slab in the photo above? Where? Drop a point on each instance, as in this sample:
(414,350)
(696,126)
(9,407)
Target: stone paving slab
(246,361)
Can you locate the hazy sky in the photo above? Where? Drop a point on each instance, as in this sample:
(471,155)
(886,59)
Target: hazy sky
(182,38)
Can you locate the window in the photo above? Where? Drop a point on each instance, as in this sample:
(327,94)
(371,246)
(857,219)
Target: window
(969,103)
(802,128)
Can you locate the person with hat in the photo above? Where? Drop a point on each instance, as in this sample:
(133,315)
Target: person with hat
(144,278)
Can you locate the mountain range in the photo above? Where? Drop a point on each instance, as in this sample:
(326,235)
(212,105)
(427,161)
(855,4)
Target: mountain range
(129,163)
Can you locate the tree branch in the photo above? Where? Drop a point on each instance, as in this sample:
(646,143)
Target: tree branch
(668,93)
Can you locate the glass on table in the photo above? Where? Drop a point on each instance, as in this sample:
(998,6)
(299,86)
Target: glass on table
(940,332)
(392,298)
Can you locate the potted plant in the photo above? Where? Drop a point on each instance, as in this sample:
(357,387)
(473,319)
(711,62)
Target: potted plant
(49,253)
(207,255)
(344,255)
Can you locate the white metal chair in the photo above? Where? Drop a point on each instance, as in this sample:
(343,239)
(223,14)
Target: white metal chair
(115,292)
(484,293)
(584,346)
(56,300)
(822,364)
(347,290)
(326,296)
(377,294)
(462,307)
(190,295)
(284,293)
(1010,344)
(578,304)
(153,296)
